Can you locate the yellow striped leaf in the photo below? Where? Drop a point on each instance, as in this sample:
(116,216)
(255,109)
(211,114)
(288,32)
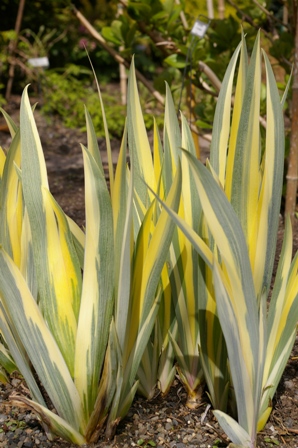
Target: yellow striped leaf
(39,343)
(98,283)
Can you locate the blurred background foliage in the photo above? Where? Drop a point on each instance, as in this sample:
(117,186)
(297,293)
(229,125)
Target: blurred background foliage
(157,32)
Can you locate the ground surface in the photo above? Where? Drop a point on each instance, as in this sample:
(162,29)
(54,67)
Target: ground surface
(162,421)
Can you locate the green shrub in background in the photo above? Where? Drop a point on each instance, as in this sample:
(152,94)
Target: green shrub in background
(64,92)
(5,38)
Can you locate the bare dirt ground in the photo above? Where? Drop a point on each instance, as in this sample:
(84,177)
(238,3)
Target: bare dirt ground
(164,421)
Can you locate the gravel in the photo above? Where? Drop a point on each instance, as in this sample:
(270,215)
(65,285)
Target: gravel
(162,422)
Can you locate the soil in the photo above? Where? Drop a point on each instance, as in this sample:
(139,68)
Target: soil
(163,421)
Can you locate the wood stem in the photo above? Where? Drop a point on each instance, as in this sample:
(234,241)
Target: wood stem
(292,173)
(12,48)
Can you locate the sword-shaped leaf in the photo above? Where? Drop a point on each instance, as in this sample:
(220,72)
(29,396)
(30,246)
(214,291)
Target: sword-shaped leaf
(234,431)
(52,423)
(282,322)
(10,123)
(262,243)
(38,342)
(140,151)
(145,293)
(52,242)
(18,353)
(11,212)
(98,285)
(221,122)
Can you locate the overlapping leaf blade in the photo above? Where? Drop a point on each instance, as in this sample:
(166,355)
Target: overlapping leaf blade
(60,314)
(98,284)
(38,341)
(237,280)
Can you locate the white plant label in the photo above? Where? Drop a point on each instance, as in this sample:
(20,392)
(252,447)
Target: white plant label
(39,62)
(199,29)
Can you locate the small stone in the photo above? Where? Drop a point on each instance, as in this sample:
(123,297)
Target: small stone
(289,422)
(28,444)
(10,435)
(154,419)
(15,382)
(18,431)
(21,417)
(289,384)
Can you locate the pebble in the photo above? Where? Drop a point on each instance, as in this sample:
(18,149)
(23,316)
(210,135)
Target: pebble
(15,382)
(144,422)
(28,444)
(289,384)
(154,419)
(288,422)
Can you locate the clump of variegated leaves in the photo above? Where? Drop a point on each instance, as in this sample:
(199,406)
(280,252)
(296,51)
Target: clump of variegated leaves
(177,261)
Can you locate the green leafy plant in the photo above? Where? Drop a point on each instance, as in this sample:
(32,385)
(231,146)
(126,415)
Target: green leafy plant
(145,443)
(64,92)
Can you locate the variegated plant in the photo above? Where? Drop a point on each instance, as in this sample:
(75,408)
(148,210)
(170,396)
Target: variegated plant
(81,336)
(240,193)
(87,336)
(177,327)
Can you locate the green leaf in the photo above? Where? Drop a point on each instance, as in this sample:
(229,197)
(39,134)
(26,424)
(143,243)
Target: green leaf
(233,430)
(39,343)
(10,123)
(139,147)
(6,360)
(122,200)
(221,122)
(112,35)
(175,60)
(138,10)
(57,266)
(54,423)
(98,284)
